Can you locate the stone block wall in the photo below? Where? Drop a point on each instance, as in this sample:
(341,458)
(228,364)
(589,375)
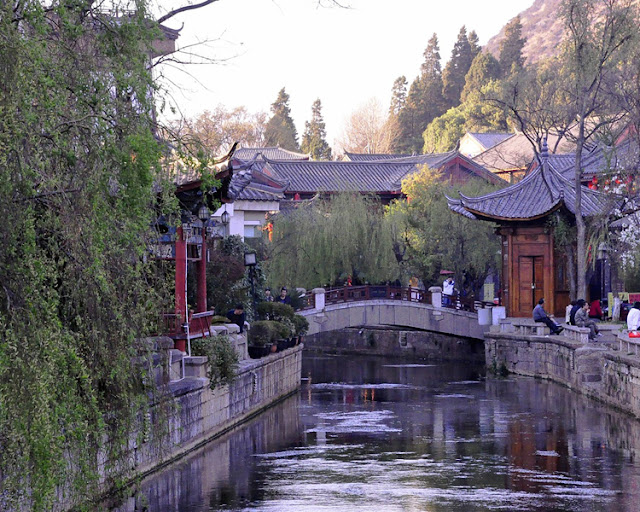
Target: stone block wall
(199,414)
(591,369)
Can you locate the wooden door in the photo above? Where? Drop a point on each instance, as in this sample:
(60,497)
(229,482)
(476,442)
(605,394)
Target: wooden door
(530,283)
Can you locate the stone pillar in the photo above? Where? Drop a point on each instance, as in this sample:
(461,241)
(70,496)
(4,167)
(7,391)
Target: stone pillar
(498,313)
(319,298)
(436,296)
(484,316)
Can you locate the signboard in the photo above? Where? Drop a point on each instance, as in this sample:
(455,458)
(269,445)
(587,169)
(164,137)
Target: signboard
(163,251)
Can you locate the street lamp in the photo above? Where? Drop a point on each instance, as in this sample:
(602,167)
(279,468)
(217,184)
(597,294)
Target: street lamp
(250,260)
(602,256)
(224,218)
(203,213)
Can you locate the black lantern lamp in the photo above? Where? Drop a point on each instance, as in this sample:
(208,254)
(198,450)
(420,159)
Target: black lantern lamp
(224,218)
(203,213)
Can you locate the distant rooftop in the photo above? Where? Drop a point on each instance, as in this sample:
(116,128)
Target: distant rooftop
(271,153)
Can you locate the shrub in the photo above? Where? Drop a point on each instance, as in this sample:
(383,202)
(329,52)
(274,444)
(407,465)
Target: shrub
(301,325)
(261,333)
(222,363)
(275,311)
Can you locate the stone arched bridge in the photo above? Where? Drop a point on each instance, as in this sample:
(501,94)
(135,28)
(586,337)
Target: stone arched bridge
(384,306)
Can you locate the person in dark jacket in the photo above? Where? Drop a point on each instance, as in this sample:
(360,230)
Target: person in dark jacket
(237,316)
(284,298)
(540,315)
(578,305)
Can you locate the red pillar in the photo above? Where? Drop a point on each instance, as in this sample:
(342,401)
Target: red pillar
(181,276)
(201,306)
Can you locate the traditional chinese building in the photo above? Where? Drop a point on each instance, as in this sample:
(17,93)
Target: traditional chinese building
(532,267)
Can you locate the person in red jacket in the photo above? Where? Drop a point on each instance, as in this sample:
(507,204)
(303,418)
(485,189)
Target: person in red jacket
(595,311)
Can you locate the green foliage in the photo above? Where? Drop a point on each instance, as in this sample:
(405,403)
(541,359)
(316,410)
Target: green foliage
(511,58)
(456,69)
(423,103)
(314,137)
(301,325)
(284,313)
(324,241)
(280,129)
(435,238)
(222,364)
(484,69)
(475,114)
(228,280)
(267,332)
(78,162)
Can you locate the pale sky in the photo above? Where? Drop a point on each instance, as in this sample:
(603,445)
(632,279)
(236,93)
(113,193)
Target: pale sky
(342,56)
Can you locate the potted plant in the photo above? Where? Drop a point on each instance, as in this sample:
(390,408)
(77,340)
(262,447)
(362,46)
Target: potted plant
(261,338)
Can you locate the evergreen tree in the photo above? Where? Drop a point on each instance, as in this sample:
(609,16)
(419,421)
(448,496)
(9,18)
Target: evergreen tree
(280,130)
(511,46)
(424,101)
(313,139)
(456,69)
(474,42)
(485,67)
(398,96)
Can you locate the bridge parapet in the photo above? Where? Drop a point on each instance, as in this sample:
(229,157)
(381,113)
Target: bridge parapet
(394,313)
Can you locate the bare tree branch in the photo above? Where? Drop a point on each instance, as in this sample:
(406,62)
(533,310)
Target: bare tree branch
(184,8)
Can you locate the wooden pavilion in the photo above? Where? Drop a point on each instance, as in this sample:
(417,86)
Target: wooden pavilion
(532,267)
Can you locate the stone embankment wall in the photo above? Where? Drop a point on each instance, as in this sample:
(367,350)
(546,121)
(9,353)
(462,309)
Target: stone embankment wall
(199,414)
(398,343)
(595,369)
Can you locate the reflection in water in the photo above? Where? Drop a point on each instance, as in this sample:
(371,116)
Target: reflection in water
(367,434)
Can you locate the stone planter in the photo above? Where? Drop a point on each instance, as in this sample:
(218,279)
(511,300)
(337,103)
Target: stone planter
(258,351)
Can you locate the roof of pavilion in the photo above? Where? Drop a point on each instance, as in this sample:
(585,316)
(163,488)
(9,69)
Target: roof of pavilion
(489,139)
(257,186)
(541,192)
(371,157)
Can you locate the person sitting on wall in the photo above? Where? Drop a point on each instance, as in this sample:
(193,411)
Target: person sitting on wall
(633,318)
(595,311)
(540,315)
(237,316)
(582,320)
(284,298)
(577,305)
(567,312)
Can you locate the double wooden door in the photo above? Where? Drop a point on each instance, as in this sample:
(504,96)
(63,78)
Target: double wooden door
(530,283)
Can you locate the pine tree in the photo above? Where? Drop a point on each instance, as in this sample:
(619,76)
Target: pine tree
(485,67)
(313,139)
(398,96)
(474,42)
(511,46)
(424,101)
(457,68)
(280,130)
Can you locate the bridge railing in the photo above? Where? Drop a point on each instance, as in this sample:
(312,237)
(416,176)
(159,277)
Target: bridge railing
(345,294)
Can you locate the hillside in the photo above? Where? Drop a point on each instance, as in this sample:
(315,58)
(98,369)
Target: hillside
(541,26)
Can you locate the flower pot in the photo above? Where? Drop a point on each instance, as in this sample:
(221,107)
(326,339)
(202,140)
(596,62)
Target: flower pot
(258,351)
(274,347)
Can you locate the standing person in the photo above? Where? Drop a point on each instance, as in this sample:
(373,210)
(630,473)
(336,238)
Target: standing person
(633,318)
(284,298)
(540,315)
(267,295)
(237,316)
(582,320)
(448,289)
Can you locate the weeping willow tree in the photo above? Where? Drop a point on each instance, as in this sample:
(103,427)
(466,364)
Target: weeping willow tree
(323,242)
(78,178)
(434,238)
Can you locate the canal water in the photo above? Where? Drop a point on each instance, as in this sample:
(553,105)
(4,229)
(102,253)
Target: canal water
(372,434)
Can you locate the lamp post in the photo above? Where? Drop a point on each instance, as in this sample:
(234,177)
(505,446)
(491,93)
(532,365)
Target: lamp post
(602,256)
(224,219)
(250,260)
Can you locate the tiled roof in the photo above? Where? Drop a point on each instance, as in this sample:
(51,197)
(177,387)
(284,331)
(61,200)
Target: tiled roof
(271,153)
(312,177)
(488,140)
(539,193)
(604,159)
(514,152)
(371,157)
